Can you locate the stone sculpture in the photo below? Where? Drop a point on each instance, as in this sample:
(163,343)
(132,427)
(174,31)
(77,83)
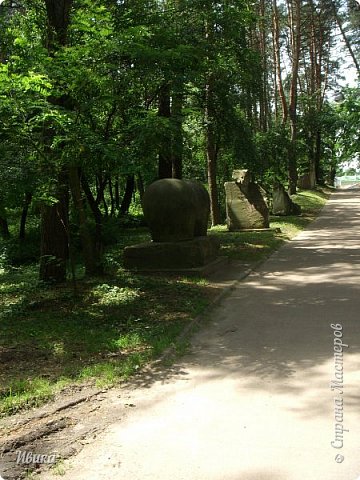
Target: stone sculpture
(176,210)
(245,205)
(177,214)
(282,203)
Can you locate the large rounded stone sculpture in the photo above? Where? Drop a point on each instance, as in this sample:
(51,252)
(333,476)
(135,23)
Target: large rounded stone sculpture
(176,210)
(177,214)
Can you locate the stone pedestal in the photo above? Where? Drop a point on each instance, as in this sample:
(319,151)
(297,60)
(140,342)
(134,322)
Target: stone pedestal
(245,207)
(171,256)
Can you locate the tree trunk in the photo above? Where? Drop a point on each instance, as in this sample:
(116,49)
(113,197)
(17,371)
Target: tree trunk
(312,87)
(98,243)
(117,194)
(4,228)
(294,8)
(292,156)
(346,40)
(140,186)
(210,133)
(178,140)
(211,155)
(112,199)
(58,14)
(54,218)
(332,175)
(100,192)
(277,59)
(212,177)
(24,213)
(54,236)
(129,191)
(264,100)
(91,255)
(318,169)
(165,161)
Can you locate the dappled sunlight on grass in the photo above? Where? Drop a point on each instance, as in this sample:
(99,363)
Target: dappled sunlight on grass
(247,246)
(112,326)
(311,200)
(107,327)
(114,295)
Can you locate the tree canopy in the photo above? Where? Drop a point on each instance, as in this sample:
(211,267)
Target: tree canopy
(99,98)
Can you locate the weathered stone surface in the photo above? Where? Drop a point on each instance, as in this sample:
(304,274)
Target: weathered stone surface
(177,213)
(242,176)
(171,255)
(245,206)
(176,210)
(266,195)
(282,203)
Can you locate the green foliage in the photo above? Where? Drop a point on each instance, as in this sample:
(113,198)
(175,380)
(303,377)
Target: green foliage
(113,295)
(272,147)
(94,104)
(348,133)
(23,109)
(14,252)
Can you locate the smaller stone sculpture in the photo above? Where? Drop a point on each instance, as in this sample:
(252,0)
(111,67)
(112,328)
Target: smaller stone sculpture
(245,206)
(282,203)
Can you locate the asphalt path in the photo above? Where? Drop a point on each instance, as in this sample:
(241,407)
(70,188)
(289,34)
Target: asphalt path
(270,387)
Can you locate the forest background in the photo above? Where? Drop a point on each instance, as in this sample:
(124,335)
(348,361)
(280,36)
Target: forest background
(100,98)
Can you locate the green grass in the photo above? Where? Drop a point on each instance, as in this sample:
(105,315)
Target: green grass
(59,468)
(256,246)
(51,338)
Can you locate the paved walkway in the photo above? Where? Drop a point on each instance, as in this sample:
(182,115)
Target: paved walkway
(252,400)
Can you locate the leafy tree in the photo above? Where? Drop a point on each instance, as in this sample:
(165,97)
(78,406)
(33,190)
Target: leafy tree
(348,131)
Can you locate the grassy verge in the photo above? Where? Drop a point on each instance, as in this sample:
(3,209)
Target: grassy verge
(251,247)
(51,338)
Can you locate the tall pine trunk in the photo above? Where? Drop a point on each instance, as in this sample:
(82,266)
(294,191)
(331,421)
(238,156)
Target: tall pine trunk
(140,185)
(264,106)
(112,198)
(319,174)
(294,11)
(178,140)
(165,161)
(277,62)
(211,154)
